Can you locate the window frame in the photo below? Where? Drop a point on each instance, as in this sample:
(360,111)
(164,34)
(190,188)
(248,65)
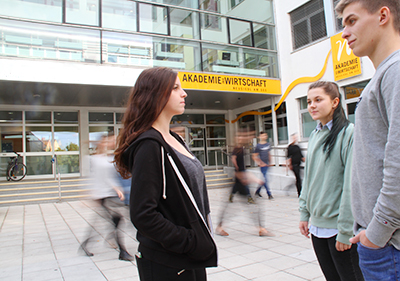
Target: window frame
(309,28)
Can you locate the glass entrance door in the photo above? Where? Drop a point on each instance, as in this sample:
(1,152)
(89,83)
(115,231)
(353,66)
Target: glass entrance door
(196,140)
(206,136)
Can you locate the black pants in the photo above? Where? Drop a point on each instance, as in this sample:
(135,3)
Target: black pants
(296,171)
(151,271)
(337,266)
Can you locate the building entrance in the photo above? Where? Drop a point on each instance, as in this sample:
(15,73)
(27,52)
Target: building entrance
(206,136)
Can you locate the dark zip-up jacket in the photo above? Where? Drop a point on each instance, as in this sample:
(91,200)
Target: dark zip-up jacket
(170,230)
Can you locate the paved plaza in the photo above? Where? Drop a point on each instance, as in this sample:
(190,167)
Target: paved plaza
(41,242)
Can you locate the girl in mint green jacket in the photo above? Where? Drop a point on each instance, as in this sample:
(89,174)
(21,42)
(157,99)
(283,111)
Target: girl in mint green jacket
(325,205)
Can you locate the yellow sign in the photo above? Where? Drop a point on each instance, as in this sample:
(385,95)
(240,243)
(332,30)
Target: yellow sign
(227,83)
(345,63)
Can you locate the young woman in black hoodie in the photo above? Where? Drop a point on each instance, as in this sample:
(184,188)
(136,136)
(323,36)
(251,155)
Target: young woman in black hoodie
(169,202)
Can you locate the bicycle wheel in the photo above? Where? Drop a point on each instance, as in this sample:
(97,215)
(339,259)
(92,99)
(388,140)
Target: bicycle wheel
(17,172)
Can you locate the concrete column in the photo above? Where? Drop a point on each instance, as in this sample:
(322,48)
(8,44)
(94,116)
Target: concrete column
(84,142)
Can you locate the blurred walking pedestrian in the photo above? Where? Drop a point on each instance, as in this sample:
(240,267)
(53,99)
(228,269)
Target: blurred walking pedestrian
(262,157)
(107,192)
(169,202)
(295,157)
(241,185)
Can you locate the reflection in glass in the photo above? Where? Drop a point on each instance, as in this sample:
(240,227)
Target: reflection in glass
(303,103)
(101,118)
(119,14)
(38,139)
(184,23)
(3,165)
(68,163)
(351,112)
(240,32)
(264,37)
(82,12)
(66,117)
(196,143)
(39,165)
(199,154)
(95,134)
(11,138)
(210,5)
(214,28)
(216,156)
(153,19)
(216,143)
(23,39)
(10,116)
(308,124)
(196,133)
(37,117)
(282,130)
(37,10)
(119,117)
(216,132)
(267,121)
(215,119)
(66,139)
(256,10)
(150,51)
(181,3)
(188,119)
(236,60)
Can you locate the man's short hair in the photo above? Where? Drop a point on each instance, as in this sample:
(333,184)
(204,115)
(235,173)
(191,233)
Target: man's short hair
(372,6)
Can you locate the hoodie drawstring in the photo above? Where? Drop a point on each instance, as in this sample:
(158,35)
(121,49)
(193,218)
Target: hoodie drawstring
(163,171)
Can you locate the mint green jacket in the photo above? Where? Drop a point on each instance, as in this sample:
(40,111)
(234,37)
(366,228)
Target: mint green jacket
(325,196)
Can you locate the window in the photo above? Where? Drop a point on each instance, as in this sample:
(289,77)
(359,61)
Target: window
(352,93)
(267,124)
(153,19)
(240,32)
(281,122)
(307,123)
(308,23)
(82,12)
(339,25)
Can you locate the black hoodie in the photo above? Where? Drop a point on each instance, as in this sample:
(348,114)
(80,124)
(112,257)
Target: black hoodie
(170,229)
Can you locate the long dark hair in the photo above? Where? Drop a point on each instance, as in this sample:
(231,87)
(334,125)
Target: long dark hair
(146,101)
(339,120)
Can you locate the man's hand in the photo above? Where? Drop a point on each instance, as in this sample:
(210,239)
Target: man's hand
(361,237)
(342,247)
(303,225)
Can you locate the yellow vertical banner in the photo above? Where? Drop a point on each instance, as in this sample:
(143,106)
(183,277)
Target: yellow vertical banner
(345,63)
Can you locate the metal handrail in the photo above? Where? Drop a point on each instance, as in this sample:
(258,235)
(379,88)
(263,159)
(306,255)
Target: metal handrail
(57,173)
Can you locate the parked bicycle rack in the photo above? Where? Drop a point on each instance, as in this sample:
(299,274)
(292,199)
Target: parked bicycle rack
(57,174)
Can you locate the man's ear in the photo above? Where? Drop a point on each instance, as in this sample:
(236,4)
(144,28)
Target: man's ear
(384,15)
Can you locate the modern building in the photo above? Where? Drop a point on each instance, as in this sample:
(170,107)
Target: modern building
(66,67)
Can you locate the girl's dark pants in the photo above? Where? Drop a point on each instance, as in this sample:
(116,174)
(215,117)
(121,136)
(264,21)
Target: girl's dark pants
(151,271)
(337,266)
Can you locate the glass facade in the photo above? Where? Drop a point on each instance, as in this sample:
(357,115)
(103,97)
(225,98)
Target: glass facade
(215,36)
(39,136)
(219,36)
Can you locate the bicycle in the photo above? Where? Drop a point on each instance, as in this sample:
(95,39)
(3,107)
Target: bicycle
(16,171)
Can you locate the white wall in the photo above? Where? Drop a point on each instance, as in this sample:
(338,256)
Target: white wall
(305,62)
(67,72)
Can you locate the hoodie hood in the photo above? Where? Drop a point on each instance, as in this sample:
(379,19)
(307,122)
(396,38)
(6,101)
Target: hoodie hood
(153,134)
